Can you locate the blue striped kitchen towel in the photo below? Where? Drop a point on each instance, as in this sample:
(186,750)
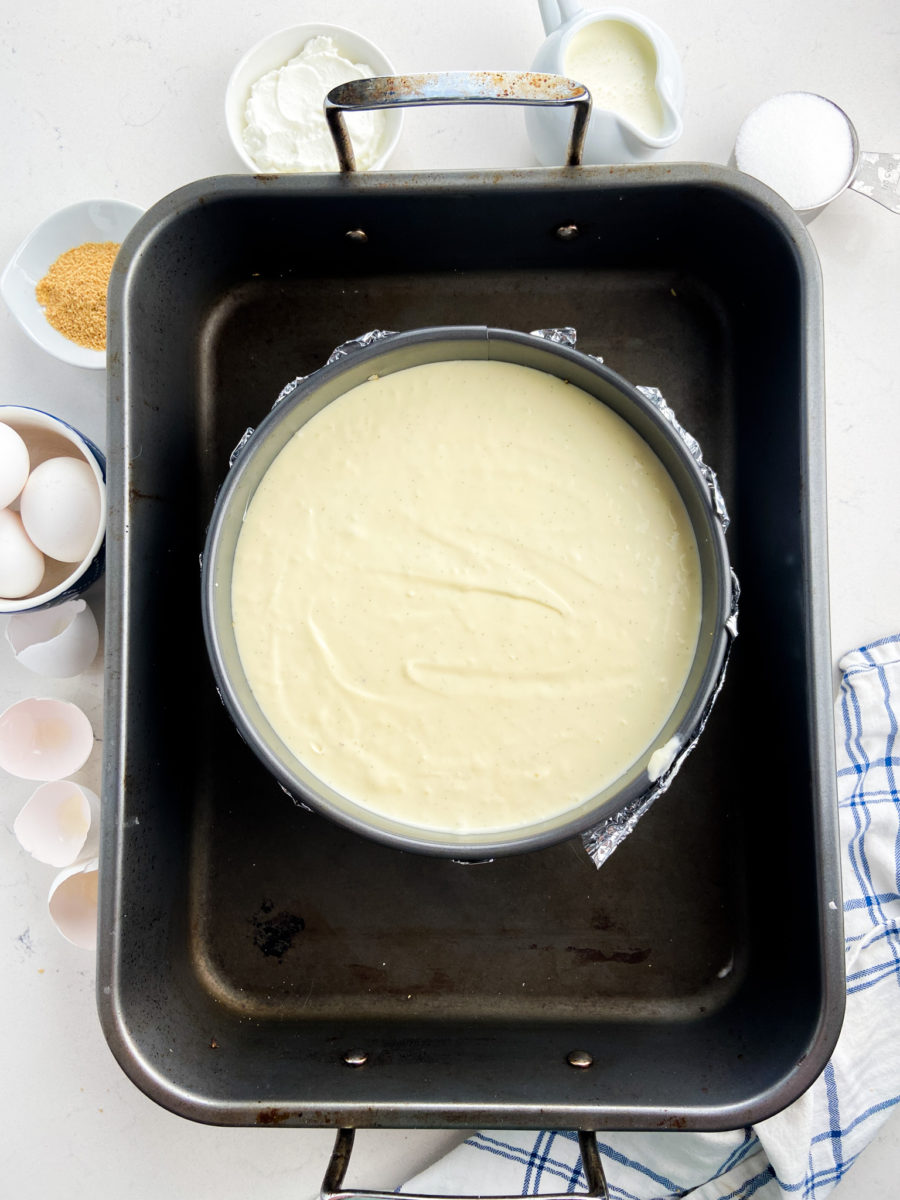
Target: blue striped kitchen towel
(805,1150)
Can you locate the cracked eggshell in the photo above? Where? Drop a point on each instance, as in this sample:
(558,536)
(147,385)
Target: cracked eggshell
(59,823)
(44,738)
(57,642)
(72,903)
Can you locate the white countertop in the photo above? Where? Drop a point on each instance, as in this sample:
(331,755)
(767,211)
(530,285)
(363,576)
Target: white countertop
(120,98)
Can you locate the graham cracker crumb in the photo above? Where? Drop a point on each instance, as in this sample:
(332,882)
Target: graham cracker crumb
(73,293)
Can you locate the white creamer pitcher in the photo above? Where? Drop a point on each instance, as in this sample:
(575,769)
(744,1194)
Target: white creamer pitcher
(632,71)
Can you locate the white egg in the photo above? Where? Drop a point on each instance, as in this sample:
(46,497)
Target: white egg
(14,464)
(60,508)
(21,563)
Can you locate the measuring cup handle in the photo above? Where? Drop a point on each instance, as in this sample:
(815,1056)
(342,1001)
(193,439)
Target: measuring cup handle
(878,177)
(340,1159)
(457,87)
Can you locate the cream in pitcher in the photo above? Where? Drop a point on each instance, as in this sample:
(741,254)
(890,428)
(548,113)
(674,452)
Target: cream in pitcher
(617,64)
(629,66)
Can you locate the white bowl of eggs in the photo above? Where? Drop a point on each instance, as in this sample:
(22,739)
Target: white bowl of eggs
(52,510)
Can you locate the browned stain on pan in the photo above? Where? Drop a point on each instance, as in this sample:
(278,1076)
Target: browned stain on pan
(273,1116)
(274,934)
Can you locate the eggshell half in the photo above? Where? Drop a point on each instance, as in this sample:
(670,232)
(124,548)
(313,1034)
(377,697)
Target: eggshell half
(44,738)
(59,823)
(72,903)
(15,464)
(58,642)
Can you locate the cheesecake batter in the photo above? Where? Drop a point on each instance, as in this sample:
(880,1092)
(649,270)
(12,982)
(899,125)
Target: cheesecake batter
(466,595)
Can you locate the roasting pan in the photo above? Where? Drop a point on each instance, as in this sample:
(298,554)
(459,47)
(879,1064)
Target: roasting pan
(259,964)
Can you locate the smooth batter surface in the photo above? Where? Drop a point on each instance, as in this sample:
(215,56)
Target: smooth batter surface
(466,595)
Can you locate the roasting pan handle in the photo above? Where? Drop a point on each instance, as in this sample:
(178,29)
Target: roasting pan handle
(457,87)
(343,1145)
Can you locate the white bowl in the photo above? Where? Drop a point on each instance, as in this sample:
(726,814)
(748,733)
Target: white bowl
(87,221)
(277,49)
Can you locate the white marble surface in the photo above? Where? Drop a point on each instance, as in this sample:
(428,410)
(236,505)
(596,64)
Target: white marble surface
(120,98)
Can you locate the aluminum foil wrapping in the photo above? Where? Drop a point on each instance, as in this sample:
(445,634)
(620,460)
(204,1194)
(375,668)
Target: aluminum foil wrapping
(359,343)
(601,840)
(655,396)
(565,335)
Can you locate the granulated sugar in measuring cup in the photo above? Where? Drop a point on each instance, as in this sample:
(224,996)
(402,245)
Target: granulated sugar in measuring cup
(805,147)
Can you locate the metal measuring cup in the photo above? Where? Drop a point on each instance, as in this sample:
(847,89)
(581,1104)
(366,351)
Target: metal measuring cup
(873,174)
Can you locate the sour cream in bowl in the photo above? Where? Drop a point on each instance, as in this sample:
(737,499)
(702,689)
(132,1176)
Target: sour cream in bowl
(274,102)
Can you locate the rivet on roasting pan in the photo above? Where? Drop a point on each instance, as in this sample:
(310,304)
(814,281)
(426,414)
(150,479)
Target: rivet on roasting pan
(356,1058)
(567,232)
(356,235)
(579,1058)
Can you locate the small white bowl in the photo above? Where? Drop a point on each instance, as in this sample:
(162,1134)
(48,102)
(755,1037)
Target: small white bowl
(277,49)
(87,221)
(47,436)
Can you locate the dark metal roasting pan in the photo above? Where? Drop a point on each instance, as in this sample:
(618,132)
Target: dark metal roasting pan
(262,964)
